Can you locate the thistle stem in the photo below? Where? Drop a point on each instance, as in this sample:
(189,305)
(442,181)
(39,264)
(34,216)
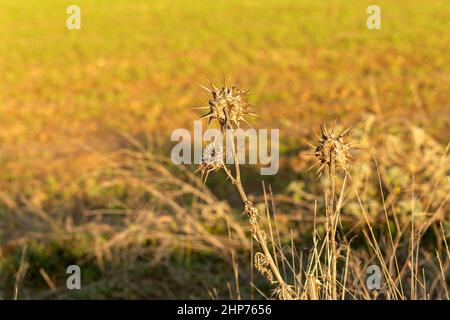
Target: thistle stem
(331,214)
(252,213)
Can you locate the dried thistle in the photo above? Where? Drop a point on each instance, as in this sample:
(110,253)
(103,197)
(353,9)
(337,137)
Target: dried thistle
(227,106)
(212,160)
(332,151)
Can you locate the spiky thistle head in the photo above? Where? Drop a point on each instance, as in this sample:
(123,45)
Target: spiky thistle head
(332,150)
(212,159)
(227,106)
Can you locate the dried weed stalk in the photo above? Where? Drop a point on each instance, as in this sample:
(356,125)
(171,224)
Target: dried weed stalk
(332,152)
(228,107)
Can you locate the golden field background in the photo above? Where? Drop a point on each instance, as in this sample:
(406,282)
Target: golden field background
(81,109)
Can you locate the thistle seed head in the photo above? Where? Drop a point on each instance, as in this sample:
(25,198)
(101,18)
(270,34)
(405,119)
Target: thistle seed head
(212,159)
(332,150)
(227,106)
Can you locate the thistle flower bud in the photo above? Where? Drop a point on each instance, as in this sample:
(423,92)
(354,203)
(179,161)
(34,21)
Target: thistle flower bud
(227,106)
(333,151)
(212,159)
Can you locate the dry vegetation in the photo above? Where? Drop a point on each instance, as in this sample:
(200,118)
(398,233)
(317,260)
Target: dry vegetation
(86,178)
(330,270)
(388,208)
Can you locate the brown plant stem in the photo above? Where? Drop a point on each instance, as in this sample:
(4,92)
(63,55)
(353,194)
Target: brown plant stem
(331,221)
(253,214)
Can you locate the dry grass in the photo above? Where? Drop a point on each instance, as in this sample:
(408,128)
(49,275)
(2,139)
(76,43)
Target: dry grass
(389,208)
(320,277)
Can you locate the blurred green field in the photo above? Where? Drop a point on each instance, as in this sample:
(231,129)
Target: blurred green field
(67,97)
